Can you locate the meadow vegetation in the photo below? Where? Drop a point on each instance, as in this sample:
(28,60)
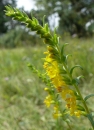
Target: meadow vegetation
(22,93)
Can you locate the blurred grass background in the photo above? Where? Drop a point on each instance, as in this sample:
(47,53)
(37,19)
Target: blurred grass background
(22,92)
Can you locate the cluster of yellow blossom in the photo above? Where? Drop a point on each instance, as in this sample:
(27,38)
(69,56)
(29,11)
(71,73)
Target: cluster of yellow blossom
(48,100)
(56,113)
(67,94)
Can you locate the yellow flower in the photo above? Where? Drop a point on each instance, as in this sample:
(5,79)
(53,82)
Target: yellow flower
(56,113)
(57,81)
(46,89)
(51,72)
(48,100)
(46,52)
(67,94)
(50,49)
(48,59)
(45,65)
(78,113)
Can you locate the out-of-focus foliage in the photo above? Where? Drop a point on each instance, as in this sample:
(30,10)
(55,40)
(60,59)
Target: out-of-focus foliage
(18,37)
(5,21)
(73,14)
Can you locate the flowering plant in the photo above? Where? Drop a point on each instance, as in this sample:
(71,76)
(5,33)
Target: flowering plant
(62,87)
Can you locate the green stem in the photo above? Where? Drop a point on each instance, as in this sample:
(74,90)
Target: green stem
(84,103)
(89,116)
(69,126)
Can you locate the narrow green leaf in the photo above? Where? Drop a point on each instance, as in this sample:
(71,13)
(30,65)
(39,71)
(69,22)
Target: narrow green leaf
(77,95)
(46,27)
(44,20)
(63,58)
(55,38)
(55,29)
(68,56)
(35,20)
(93,114)
(71,71)
(88,96)
(77,80)
(79,107)
(67,80)
(79,77)
(62,71)
(62,49)
(25,15)
(90,118)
